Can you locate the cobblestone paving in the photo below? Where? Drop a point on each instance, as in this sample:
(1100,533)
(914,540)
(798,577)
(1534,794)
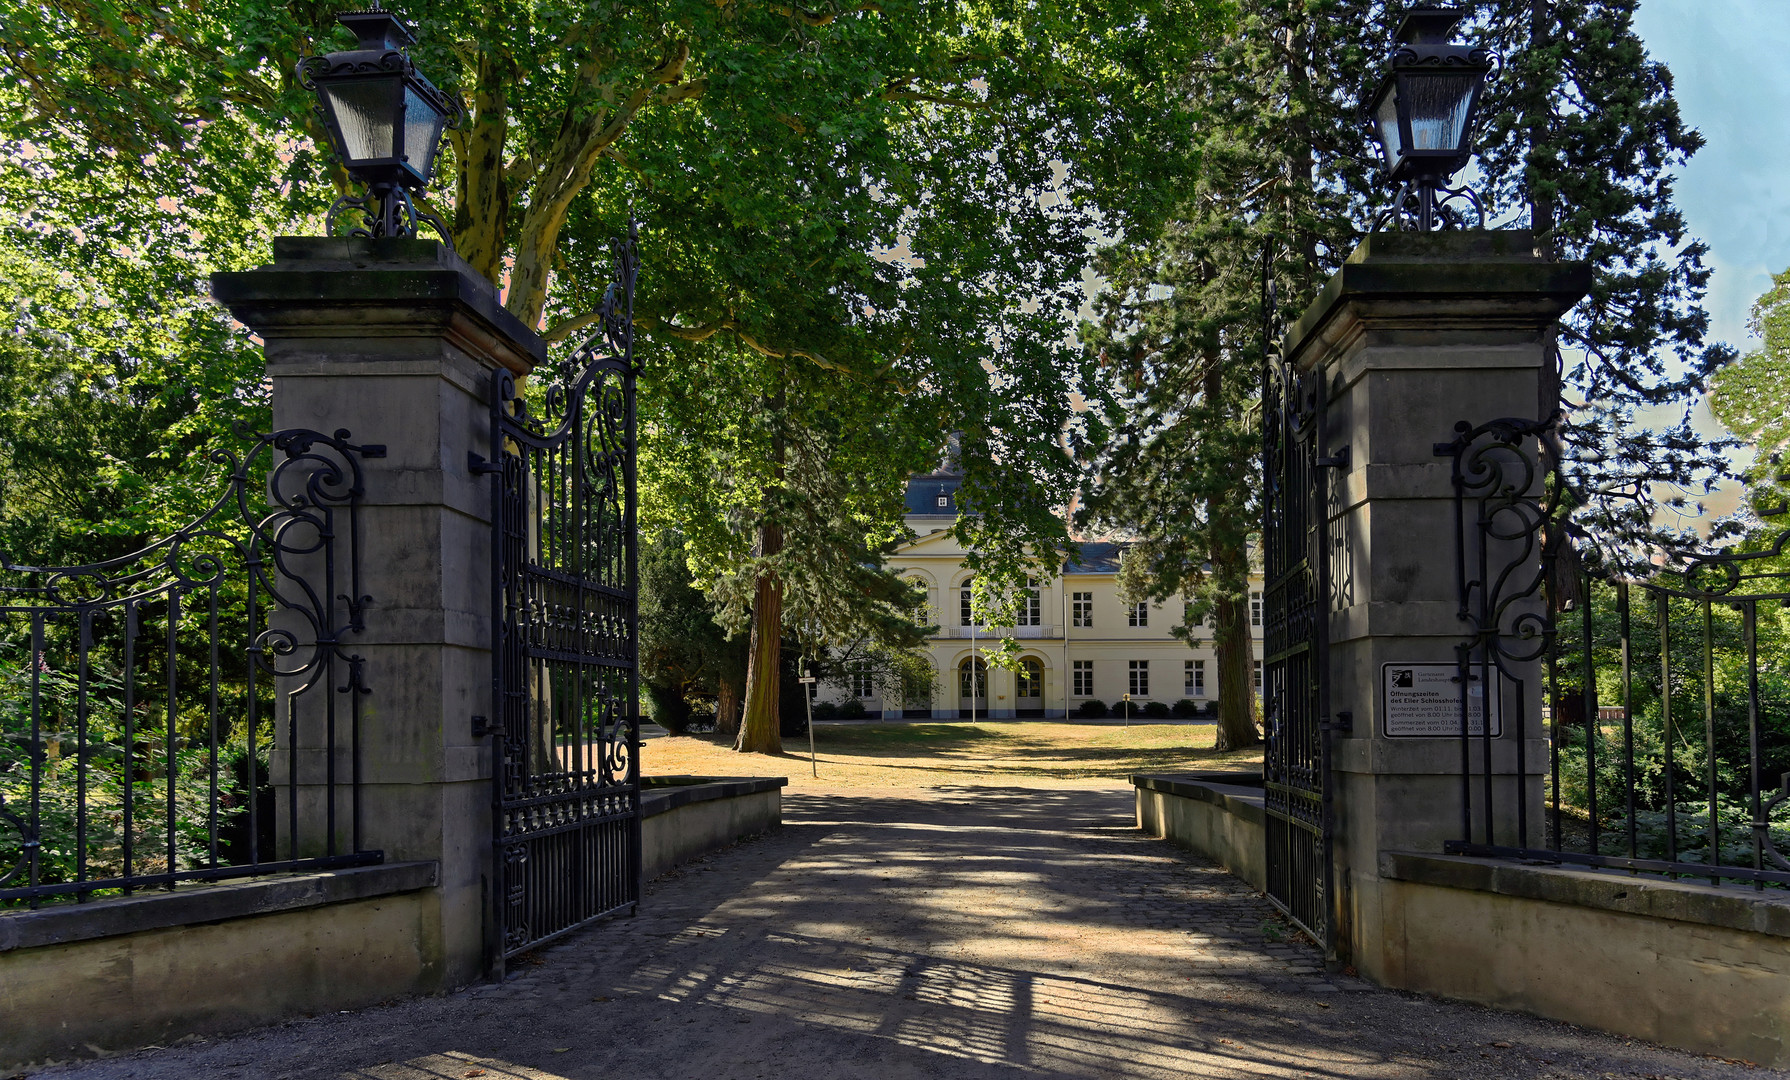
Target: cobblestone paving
(973,933)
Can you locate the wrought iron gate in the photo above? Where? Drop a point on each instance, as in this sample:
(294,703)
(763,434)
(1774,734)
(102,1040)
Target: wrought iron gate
(564,686)
(1295,698)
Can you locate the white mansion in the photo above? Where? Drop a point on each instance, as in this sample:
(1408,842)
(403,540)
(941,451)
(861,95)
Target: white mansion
(1080,641)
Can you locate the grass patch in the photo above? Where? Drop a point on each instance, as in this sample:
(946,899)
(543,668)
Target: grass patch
(997,754)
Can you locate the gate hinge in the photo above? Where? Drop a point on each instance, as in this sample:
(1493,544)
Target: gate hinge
(481,727)
(1339,461)
(1343,721)
(478,466)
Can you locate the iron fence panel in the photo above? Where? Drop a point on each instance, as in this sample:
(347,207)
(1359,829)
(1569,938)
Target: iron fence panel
(155,700)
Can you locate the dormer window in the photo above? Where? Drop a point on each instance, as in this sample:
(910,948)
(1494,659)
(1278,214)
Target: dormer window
(944,500)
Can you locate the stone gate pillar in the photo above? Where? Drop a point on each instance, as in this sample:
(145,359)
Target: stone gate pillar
(1416,332)
(396,341)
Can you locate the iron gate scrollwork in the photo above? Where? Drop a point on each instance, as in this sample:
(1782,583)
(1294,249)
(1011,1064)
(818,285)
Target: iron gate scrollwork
(564,687)
(1295,699)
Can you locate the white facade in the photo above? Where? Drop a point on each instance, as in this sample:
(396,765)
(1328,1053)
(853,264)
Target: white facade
(1079,641)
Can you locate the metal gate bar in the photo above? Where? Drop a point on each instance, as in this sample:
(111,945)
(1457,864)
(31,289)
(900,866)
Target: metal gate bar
(1295,640)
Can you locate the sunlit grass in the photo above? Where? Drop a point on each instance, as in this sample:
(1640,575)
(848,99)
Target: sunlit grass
(954,754)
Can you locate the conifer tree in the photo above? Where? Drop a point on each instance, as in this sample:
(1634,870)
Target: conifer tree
(1580,143)
(1276,152)
(1579,139)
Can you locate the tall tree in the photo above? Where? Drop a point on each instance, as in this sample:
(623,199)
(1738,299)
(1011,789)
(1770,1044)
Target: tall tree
(1176,462)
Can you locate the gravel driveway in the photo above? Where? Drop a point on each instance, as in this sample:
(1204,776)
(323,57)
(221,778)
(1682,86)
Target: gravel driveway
(961,932)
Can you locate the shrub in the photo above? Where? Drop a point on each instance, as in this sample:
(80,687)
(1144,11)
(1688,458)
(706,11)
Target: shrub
(666,707)
(853,709)
(1185,708)
(825,710)
(1091,709)
(1156,710)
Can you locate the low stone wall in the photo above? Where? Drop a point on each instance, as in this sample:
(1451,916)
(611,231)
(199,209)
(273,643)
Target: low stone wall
(687,816)
(115,974)
(1218,815)
(1697,966)
(1702,967)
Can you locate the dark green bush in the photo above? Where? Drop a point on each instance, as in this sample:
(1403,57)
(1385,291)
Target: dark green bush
(1185,708)
(853,709)
(1156,710)
(1091,709)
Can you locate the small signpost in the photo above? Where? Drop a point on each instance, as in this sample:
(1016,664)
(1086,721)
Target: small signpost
(808,679)
(1127,710)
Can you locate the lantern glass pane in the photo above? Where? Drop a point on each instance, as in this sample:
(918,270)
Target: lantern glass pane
(1386,121)
(422,131)
(364,112)
(1438,108)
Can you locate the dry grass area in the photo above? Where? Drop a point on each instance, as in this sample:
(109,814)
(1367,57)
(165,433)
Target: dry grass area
(994,753)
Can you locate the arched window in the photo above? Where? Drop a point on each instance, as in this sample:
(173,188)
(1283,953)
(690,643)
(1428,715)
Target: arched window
(1030,678)
(972,678)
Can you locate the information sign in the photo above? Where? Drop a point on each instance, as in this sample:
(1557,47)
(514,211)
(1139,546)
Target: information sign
(1423,701)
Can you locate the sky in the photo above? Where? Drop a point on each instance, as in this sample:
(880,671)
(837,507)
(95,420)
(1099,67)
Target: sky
(1733,85)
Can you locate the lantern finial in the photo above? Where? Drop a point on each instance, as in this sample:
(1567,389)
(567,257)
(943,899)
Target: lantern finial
(384,120)
(1423,114)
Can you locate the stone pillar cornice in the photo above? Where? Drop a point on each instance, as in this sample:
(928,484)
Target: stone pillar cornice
(1432,288)
(322,287)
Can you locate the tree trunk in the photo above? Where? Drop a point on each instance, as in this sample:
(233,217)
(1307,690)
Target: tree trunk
(727,710)
(761,726)
(482,205)
(1232,642)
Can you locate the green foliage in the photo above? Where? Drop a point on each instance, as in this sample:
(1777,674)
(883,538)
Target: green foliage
(1185,708)
(77,760)
(1156,710)
(1752,396)
(1705,751)
(116,371)
(684,653)
(1091,709)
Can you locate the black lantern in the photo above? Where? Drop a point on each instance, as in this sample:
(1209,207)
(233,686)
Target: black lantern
(384,120)
(1423,114)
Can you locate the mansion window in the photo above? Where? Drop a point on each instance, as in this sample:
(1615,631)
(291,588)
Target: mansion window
(1084,678)
(1082,613)
(1140,678)
(1258,678)
(1194,678)
(863,681)
(921,610)
(965,611)
(1255,609)
(1031,610)
(1138,614)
